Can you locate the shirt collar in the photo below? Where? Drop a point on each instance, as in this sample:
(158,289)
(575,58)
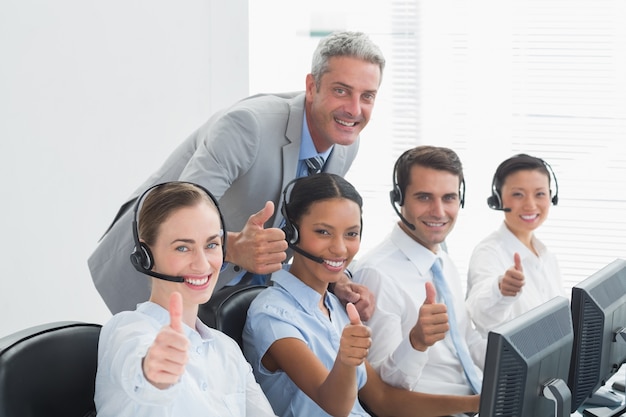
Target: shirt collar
(421,257)
(304,295)
(162,316)
(307,148)
(518,246)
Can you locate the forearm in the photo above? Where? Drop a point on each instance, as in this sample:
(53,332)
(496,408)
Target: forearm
(339,391)
(486,305)
(404,403)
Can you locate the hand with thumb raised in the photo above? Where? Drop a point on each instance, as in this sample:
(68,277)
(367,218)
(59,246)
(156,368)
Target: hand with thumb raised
(166,358)
(513,280)
(355,339)
(432,323)
(257,249)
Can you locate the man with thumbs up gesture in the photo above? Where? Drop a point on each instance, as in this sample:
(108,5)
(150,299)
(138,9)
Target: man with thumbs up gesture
(246,154)
(160,360)
(416,344)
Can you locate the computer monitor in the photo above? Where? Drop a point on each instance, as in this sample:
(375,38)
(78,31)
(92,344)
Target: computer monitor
(599,318)
(527,364)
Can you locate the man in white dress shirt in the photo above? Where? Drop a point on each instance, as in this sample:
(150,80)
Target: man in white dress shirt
(412,345)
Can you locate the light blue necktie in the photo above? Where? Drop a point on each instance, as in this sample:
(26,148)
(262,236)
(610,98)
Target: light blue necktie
(462,350)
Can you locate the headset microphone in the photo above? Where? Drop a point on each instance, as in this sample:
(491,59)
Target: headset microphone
(305,253)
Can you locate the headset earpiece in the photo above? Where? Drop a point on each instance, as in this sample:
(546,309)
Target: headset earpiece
(142,257)
(291,232)
(396,195)
(494,201)
(555,197)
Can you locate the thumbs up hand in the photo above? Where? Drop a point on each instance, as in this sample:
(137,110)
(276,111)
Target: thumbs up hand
(355,339)
(165,360)
(432,323)
(512,281)
(255,248)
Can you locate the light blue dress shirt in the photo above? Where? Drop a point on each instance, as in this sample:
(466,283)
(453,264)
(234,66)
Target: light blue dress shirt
(307,150)
(217,380)
(290,308)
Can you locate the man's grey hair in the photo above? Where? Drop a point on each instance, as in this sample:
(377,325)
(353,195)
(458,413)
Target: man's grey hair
(350,44)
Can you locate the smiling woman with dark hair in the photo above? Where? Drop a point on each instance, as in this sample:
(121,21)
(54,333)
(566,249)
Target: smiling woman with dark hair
(511,271)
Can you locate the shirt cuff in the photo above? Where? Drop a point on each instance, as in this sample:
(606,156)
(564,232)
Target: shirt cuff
(406,357)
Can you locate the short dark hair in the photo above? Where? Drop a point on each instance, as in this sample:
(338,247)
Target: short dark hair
(435,157)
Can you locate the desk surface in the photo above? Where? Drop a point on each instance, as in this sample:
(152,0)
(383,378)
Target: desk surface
(605,411)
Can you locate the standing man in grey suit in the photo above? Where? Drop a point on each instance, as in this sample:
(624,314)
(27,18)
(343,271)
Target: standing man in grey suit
(245,156)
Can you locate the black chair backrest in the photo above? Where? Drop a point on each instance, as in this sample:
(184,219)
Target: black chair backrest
(49,370)
(227,309)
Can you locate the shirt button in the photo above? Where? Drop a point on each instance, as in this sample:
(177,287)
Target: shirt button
(199,350)
(204,386)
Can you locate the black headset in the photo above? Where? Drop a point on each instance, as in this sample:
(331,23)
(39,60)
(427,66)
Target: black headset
(397,197)
(525,162)
(141,256)
(292,236)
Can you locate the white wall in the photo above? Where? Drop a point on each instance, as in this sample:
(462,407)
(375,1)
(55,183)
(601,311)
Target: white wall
(93,97)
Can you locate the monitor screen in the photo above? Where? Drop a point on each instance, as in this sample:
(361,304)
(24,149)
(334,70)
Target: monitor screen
(527,364)
(599,317)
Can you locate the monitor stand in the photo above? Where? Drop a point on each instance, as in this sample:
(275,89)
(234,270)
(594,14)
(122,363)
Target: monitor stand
(604,397)
(605,411)
(557,391)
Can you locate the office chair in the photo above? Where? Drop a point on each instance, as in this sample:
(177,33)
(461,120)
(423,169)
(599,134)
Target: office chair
(227,309)
(49,370)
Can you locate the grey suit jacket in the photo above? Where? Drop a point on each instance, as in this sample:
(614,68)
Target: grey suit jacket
(245,156)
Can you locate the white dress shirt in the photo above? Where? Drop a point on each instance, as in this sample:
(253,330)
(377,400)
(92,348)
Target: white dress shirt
(488,263)
(396,272)
(218,382)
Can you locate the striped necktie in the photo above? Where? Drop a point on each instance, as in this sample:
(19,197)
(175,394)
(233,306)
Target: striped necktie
(462,350)
(314,164)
